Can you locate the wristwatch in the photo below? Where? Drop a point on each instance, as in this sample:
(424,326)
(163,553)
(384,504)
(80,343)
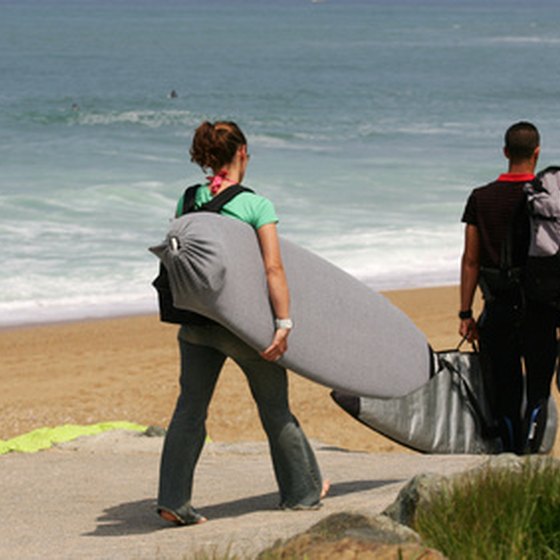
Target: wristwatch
(284,324)
(465,314)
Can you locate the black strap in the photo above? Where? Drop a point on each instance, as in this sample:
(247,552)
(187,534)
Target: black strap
(188,199)
(507,248)
(506,252)
(463,340)
(469,393)
(214,205)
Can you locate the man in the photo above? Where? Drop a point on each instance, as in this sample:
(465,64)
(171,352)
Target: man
(495,252)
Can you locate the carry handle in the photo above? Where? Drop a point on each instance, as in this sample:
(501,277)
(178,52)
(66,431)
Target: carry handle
(473,344)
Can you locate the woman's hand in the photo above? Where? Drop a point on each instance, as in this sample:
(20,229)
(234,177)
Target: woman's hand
(277,289)
(278,346)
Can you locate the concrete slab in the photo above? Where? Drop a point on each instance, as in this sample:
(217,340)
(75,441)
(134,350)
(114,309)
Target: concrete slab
(95,497)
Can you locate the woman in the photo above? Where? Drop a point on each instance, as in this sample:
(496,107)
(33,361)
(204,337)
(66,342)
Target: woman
(222,148)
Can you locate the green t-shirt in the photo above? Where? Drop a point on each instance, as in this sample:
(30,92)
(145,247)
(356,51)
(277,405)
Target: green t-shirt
(250,208)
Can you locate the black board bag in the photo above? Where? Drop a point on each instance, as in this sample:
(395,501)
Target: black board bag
(168,313)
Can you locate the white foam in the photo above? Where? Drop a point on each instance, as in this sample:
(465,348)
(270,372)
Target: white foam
(524,40)
(300,144)
(72,309)
(147,118)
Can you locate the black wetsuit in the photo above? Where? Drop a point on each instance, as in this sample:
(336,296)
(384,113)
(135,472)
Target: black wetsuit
(511,329)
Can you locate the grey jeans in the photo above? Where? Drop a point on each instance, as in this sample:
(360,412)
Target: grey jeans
(203,352)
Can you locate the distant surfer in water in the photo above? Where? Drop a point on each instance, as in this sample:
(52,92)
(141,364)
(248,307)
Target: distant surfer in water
(204,346)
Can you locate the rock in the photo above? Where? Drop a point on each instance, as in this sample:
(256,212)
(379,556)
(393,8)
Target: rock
(515,463)
(347,536)
(154,431)
(420,488)
(348,548)
(416,493)
(382,529)
(505,461)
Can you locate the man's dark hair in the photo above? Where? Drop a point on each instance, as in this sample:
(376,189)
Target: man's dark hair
(521,140)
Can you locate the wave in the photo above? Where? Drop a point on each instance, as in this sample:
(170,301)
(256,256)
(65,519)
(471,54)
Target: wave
(45,298)
(290,142)
(396,259)
(523,40)
(288,137)
(69,309)
(104,273)
(147,118)
(83,116)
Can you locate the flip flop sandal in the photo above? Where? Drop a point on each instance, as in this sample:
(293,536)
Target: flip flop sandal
(192,518)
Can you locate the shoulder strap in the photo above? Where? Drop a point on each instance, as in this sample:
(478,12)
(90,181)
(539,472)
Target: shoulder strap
(220,200)
(188,199)
(508,245)
(214,205)
(506,251)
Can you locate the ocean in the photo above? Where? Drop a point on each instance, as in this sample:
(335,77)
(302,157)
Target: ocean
(368,123)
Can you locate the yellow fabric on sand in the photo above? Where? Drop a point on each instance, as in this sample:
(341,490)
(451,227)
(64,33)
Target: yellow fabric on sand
(43,438)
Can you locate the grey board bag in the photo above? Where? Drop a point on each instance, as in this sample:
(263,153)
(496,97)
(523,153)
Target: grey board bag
(542,271)
(450,414)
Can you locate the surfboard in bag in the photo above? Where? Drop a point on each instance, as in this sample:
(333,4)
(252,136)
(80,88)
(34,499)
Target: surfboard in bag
(346,336)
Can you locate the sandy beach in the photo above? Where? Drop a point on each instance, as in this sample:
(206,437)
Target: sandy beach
(126,369)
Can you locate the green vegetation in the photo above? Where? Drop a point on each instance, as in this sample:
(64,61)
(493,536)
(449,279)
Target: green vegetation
(498,514)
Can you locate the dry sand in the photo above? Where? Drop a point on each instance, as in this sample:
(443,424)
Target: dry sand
(127,369)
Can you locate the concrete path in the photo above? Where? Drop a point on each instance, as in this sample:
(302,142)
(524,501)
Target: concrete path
(95,498)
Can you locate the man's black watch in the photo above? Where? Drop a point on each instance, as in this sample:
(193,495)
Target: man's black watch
(466,314)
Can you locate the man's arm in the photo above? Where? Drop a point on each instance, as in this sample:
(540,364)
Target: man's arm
(470,268)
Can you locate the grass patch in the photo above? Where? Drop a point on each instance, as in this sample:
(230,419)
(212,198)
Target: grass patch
(497,513)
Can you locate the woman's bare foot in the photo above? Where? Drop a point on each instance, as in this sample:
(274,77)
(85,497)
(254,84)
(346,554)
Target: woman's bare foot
(326,488)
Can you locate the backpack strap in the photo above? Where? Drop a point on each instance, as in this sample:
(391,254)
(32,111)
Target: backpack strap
(217,202)
(188,199)
(506,250)
(221,199)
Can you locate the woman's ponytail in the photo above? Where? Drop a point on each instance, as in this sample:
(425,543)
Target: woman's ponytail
(214,145)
